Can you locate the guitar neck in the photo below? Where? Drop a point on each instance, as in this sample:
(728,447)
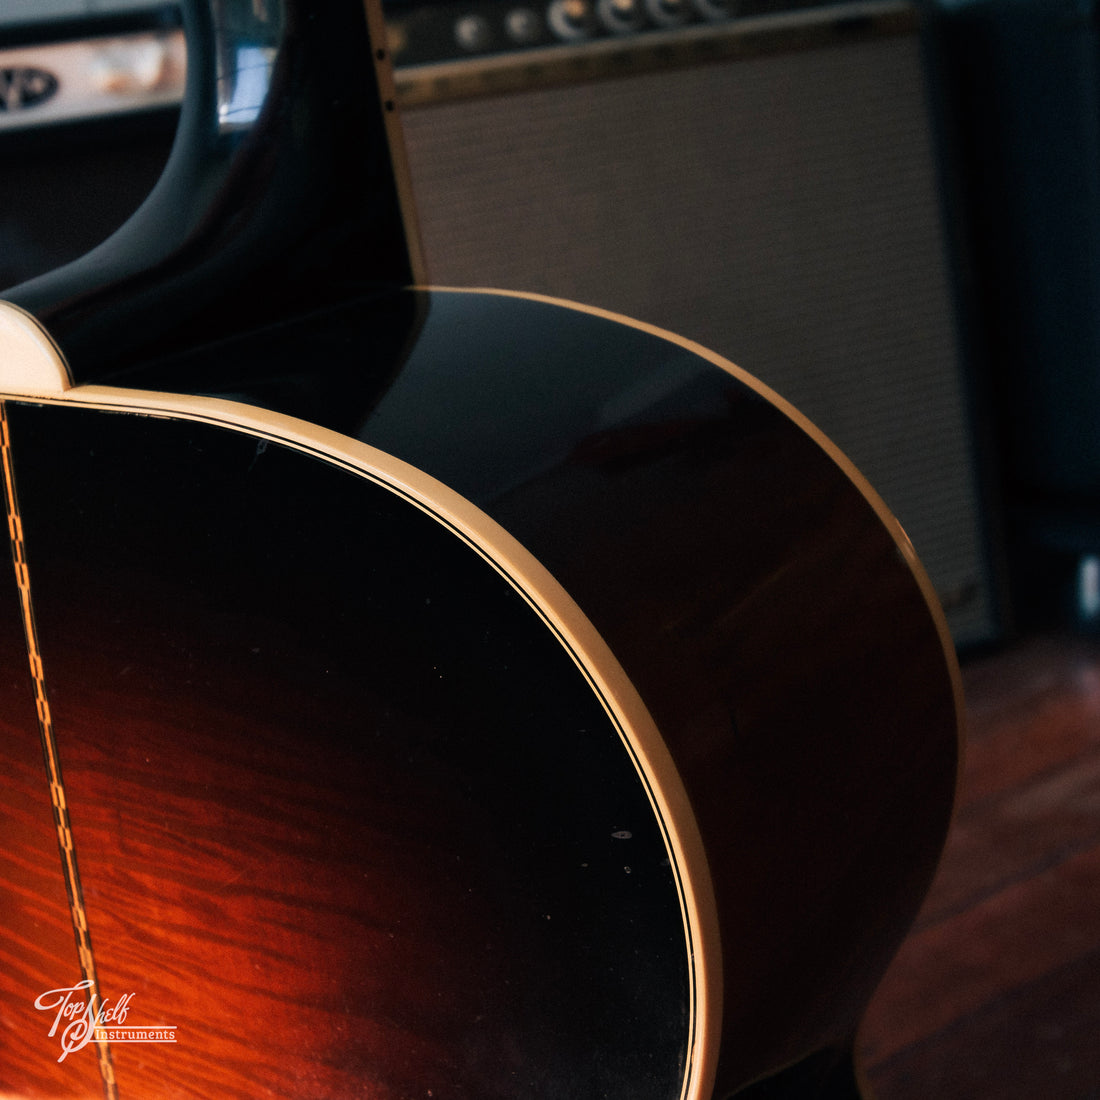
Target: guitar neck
(280,197)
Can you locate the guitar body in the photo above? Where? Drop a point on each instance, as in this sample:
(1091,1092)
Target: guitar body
(613,773)
(433,693)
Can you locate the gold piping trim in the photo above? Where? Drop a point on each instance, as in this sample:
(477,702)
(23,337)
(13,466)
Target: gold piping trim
(65,844)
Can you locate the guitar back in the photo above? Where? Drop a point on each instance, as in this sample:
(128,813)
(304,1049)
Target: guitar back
(350,816)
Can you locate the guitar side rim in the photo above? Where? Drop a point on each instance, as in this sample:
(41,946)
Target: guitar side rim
(803,422)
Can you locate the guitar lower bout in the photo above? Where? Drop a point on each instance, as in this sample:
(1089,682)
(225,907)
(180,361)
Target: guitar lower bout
(358,795)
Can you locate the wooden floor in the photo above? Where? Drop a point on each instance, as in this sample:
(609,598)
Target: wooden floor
(996,993)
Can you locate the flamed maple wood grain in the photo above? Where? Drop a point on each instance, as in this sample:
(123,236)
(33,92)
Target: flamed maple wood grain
(237,891)
(38,948)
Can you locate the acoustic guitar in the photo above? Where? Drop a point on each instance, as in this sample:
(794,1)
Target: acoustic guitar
(424,693)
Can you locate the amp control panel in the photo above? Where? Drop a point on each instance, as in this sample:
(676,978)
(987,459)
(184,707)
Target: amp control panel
(430,31)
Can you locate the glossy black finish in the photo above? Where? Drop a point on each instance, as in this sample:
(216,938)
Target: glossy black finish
(330,366)
(279,196)
(483,391)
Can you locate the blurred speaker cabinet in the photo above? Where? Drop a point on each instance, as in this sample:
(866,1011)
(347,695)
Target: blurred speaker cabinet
(767,186)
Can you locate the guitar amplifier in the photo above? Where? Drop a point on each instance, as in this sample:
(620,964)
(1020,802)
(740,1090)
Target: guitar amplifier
(757,175)
(760,178)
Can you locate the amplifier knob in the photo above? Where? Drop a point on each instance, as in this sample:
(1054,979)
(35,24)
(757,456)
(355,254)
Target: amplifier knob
(571,19)
(473,33)
(620,16)
(523,26)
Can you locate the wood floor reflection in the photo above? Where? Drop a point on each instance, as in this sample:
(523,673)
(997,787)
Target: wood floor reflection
(996,992)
